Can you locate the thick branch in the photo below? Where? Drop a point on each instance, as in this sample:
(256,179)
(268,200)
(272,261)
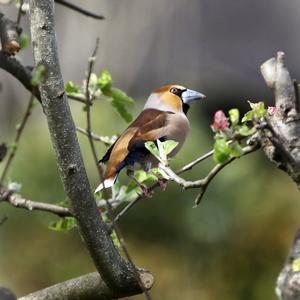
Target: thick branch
(282,145)
(288,282)
(16,69)
(117,273)
(90,286)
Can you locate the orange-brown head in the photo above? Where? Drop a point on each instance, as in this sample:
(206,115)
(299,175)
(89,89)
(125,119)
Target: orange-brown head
(174,98)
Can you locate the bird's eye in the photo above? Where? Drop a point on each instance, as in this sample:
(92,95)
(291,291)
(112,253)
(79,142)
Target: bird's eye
(174,91)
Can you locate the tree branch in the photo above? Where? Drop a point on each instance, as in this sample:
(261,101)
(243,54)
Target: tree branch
(9,35)
(18,201)
(202,183)
(19,130)
(114,270)
(288,282)
(282,145)
(90,286)
(20,72)
(107,141)
(80,9)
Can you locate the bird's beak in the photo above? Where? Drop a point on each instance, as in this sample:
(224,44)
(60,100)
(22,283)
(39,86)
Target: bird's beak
(190,96)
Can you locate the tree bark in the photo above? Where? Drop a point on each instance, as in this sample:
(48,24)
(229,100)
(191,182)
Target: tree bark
(87,287)
(282,146)
(118,274)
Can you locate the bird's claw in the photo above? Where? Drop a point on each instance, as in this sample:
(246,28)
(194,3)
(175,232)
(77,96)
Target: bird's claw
(162,183)
(146,193)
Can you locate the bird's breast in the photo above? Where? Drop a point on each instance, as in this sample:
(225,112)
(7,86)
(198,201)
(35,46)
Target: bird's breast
(177,129)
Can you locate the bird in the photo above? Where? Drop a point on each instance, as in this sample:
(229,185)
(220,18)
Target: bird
(164,117)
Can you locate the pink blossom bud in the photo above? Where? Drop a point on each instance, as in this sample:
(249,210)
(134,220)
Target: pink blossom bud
(271,110)
(220,121)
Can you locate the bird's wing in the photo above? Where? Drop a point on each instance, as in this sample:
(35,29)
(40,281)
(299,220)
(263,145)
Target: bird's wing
(148,126)
(107,154)
(151,131)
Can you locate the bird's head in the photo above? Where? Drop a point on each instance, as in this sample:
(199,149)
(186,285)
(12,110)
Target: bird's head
(174,98)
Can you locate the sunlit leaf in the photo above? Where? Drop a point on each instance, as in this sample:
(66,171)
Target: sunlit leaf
(72,87)
(169,146)
(153,149)
(221,151)
(244,130)
(120,101)
(24,40)
(38,75)
(63,224)
(115,239)
(104,81)
(234,116)
(235,150)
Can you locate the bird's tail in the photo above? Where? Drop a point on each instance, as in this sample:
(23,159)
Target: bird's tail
(107,183)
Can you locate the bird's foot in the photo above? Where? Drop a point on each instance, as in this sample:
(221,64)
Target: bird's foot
(162,183)
(146,193)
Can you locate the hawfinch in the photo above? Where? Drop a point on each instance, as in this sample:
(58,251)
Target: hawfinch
(163,118)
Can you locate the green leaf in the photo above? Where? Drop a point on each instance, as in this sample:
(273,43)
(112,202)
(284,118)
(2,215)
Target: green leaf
(244,130)
(248,116)
(131,186)
(72,88)
(24,40)
(153,149)
(38,75)
(169,146)
(115,239)
(259,110)
(221,151)
(119,101)
(104,81)
(63,224)
(236,150)
(143,176)
(234,116)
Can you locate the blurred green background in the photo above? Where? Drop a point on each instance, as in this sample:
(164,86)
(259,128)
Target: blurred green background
(234,244)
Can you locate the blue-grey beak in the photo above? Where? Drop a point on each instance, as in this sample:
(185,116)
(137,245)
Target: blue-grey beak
(190,96)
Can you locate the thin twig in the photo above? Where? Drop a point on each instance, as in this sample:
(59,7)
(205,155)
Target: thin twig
(19,132)
(105,140)
(100,171)
(190,165)
(20,202)
(132,203)
(186,184)
(202,183)
(195,162)
(77,97)
(3,220)
(19,13)
(88,111)
(80,10)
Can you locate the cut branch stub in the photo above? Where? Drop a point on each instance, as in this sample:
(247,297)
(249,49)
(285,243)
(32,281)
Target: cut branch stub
(86,287)
(279,80)
(282,144)
(9,35)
